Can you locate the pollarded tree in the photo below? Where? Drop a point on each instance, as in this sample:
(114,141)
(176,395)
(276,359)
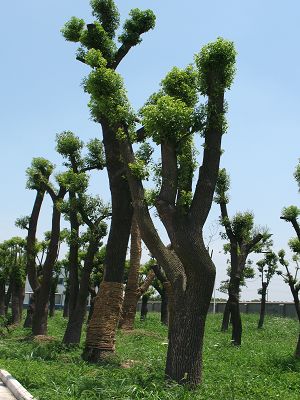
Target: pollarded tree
(70,147)
(267,268)
(170,119)
(93,212)
(99,50)
(244,239)
(247,273)
(291,214)
(134,288)
(294,283)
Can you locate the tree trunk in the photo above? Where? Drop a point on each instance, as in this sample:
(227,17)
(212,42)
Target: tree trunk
(186,330)
(234,302)
(2,297)
(164,312)
(40,316)
(262,305)
(100,340)
(30,311)
(131,292)
(52,297)
(297,352)
(74,327)
(15,303)
(102,327)
(226,317)
(66,303)
(144,308)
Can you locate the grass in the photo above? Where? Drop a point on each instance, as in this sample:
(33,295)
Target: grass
(262,368)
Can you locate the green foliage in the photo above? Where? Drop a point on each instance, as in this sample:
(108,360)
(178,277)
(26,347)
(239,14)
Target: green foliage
(107,14)
(95,59)
(95,37)
(297,174)
(294,245)
(68,145)
(268,266)
(216,65)
(95,159)
(23,222)
(222,187)
(138,23)
(182,84)
(290,213)
(242,224)
(73,29)
(168,119)
(74,182)
(139,169)
(38,173)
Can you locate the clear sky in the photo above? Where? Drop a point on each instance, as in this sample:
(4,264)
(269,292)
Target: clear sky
(41,96)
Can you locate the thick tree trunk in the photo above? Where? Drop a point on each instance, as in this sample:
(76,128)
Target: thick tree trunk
(131,292)
(262,306)
(226,317)
(66,303)
(164,312)
(74,327)
(17,299)
(2,297)
(102,327)
(100,340)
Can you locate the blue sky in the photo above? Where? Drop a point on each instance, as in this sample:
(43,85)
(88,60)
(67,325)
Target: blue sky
(41,96)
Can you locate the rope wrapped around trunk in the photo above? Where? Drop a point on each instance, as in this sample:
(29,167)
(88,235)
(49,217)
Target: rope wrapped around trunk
(103,324)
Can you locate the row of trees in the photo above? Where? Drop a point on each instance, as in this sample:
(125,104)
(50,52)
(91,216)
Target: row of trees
(184,272)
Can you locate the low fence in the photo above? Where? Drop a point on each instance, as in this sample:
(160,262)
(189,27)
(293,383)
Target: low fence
(273,308)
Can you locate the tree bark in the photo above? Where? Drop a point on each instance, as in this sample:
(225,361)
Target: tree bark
(226,317)
(17,297)
(30,311)
(164,312)
(234,304)
(102,326)
(144,308)
(262,305)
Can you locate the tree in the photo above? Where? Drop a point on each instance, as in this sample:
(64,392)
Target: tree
(247,273)
(134,289)
(170,118)
(99,50)
(243,238)
(267,268)
(93,212)
(291,214)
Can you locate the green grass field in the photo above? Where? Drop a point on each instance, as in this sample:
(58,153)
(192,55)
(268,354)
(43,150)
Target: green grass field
(263,368)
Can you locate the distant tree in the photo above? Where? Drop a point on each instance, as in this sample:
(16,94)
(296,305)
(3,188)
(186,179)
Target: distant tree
(247,273)
(134,287)
(291,214)
(244,239)
(267,268)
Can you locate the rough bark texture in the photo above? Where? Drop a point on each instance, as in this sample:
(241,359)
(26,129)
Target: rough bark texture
(262,306)
(74,327)
(100,340)
(99,328)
